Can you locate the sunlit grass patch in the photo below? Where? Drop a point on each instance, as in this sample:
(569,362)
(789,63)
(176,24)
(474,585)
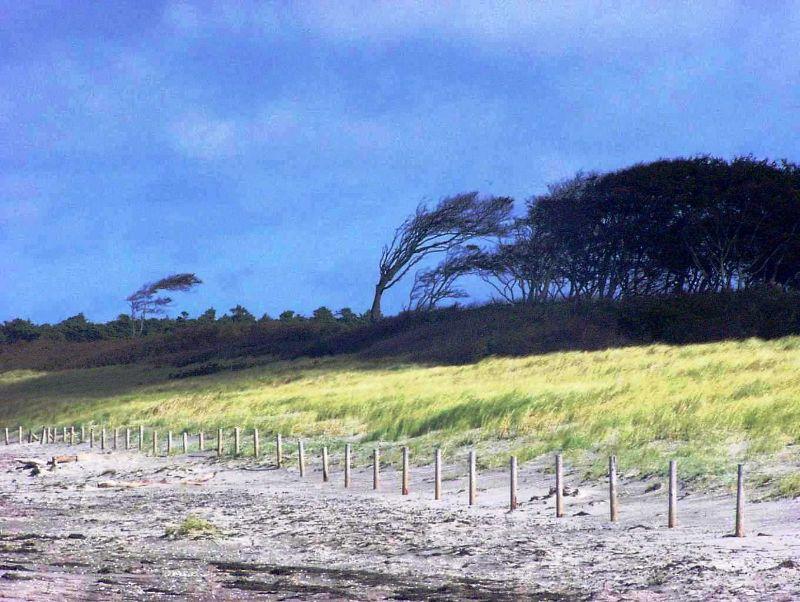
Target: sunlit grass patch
(192,527)
(708,405)
(789,485)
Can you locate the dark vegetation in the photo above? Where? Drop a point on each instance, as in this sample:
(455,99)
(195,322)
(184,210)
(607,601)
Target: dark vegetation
(448,336)
(682,250)
(672,226)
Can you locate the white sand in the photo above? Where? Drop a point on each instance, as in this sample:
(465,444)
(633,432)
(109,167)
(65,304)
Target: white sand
(62,537)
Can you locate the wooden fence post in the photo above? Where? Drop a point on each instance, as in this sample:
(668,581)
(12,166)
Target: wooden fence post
(19,439)
(512,502)
(141,438)
(30,435)
(437,474)
(169,443)
(278,450)
(473,478)
(673,495)
(256,446)
(155,442)
(237,441)
(739,526)
(127,439)
(201,441)
(406,476)
(72,435)
(325,475)
(83,433)
(64,436)
(219,442)
(185,442)
(559,486)
(376,469)
(103,438)
(612,489)
(301,458)
(91,437)
(116,438)
(347,465)
(7,441)
(45,436)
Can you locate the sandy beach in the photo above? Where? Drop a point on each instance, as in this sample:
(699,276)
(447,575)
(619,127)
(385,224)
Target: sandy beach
(97,529)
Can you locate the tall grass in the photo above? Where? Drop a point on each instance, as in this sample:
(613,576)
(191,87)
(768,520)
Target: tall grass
(706,404)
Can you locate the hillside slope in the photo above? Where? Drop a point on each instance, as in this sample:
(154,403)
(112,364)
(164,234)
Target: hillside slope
(709,405)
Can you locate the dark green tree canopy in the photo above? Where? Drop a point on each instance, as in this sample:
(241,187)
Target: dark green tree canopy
(700,224)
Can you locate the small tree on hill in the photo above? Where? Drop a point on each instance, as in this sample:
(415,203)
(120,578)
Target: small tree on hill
(347,315)
(323,314)
(209,316)
(240,315)
(147,302)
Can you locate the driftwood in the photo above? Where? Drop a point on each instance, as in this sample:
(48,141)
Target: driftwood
(199,480)
(110,484)
(30,462)
(63,459)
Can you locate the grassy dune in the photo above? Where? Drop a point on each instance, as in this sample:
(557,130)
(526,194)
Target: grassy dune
(708,405)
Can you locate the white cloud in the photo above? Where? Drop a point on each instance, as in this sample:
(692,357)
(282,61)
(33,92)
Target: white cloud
(201,137)
(552,28)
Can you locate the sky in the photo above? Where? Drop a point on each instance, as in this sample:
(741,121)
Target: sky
(272,148)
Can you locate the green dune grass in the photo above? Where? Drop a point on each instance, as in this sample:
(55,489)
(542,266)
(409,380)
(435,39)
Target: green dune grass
(708,405)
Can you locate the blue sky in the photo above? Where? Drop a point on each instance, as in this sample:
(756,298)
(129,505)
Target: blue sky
(272,148)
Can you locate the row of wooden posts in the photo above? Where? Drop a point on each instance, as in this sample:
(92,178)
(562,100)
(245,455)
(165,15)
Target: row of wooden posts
(49,435)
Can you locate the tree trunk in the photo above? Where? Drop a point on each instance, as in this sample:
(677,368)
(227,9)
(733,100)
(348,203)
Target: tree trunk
(133,321)
(375,312)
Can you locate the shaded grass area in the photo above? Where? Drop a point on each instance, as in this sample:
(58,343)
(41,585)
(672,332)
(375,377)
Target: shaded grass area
(708,405)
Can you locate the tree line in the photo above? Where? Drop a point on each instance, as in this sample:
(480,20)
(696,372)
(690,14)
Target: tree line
(668,227)
(672,226)
(78,329)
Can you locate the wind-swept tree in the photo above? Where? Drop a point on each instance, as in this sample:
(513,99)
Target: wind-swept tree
(451,223)
(147,302)
(434,285)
